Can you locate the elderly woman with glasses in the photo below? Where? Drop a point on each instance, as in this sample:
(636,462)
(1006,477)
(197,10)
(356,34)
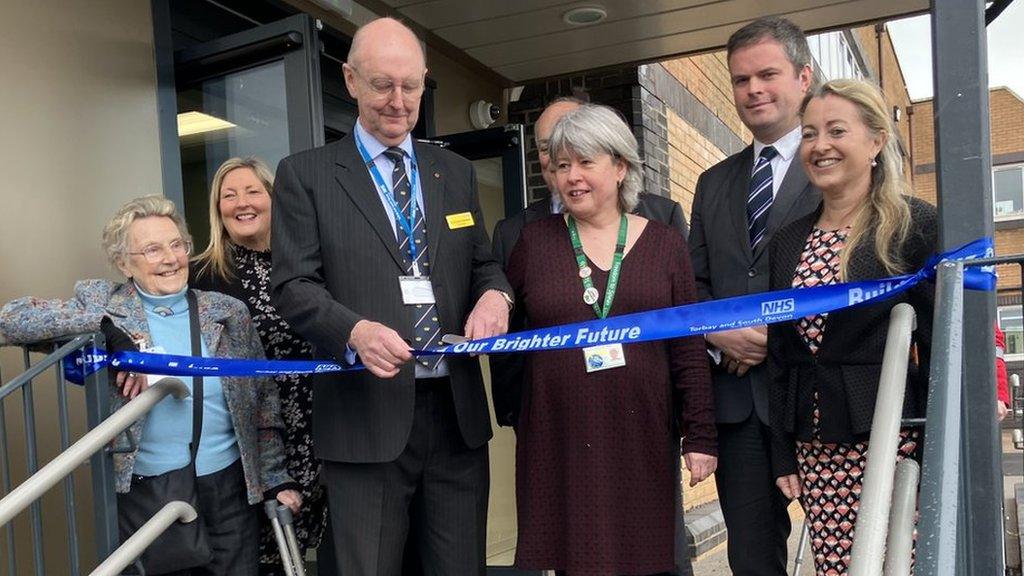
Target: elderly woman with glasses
(240,459)
(598,434)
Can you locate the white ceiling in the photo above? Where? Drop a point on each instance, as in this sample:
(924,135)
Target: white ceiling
(524,40)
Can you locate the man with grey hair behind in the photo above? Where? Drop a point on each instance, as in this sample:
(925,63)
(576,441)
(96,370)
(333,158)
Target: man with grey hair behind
(379,246)
(738,205)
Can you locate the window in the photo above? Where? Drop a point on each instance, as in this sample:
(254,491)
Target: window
(1008,192)
(1012,324)
(834,56)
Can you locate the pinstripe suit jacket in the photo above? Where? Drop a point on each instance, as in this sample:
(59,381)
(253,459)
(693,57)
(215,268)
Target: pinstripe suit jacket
(336,262)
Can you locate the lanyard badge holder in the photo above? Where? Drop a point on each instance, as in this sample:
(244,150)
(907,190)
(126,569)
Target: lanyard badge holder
(604,356)
(416,289)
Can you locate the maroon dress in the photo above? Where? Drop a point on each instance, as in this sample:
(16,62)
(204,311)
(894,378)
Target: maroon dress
(596,452)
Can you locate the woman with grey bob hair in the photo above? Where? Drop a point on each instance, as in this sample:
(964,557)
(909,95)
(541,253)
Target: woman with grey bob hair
(592,130)
(607,417)
(240,456)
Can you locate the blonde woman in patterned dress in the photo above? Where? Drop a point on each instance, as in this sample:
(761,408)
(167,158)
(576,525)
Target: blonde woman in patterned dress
(825,369)
(237,263)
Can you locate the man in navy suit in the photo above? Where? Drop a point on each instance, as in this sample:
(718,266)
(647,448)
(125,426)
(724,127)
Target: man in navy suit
(739,204)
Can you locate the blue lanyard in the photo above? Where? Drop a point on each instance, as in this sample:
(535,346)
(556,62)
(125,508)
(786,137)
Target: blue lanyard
(408,223)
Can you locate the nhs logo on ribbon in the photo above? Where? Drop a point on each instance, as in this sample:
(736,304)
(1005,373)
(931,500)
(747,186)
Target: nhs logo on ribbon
(784,306)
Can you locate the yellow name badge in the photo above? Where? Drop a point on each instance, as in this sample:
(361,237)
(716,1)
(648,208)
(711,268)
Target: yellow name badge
(460,220)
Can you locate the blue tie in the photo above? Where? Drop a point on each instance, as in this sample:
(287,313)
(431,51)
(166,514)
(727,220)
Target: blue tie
(426,327)
(759,202)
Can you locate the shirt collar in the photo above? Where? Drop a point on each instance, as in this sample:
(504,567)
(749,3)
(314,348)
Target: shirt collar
(556,203)
(166,305)
(374,147)
(785,146)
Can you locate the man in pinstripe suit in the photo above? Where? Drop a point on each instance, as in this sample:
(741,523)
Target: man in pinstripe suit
(379,244)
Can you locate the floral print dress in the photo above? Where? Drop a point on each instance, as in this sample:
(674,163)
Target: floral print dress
(251,285)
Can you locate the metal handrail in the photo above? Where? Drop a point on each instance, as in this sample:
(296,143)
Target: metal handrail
(41,366)
(94,441)
(876,495)
(900,543)
(134,546)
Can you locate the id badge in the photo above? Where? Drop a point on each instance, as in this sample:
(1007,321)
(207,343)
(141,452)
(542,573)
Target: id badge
(603,357)
(416,289)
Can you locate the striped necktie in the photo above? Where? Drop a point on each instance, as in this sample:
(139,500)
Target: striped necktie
(426,327)
(759,202)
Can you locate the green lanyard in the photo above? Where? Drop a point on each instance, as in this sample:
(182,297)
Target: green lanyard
(590,294)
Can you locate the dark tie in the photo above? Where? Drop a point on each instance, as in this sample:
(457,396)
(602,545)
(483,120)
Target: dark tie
(426,328)
(759,202)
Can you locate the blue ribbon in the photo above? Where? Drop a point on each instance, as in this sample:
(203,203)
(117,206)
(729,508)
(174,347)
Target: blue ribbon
(662,324)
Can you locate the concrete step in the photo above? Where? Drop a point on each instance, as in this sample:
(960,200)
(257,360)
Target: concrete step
(705,528)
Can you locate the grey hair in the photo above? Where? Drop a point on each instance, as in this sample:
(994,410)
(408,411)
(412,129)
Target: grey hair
(776,28)
(115,233)
(592,130)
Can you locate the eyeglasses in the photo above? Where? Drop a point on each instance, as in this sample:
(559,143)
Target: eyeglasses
(382,88)
(155,252)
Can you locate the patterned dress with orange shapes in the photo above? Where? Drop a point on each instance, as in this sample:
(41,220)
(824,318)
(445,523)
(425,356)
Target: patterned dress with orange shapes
(832,474)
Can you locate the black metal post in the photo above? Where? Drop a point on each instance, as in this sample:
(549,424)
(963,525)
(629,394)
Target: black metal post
(964,173)
(104,500)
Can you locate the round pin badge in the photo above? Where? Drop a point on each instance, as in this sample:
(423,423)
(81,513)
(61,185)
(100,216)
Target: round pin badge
(585,272)
(590,295)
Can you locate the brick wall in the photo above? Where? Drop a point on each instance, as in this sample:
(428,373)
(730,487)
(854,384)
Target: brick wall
(894,87)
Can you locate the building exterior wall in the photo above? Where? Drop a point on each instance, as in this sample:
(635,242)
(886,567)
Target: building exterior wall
(79,112)
(1006,113)
(887,68)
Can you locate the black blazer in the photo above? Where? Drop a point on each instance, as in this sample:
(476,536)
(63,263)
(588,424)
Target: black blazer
(724,266)
(336,261)
(846,369)
(507,370)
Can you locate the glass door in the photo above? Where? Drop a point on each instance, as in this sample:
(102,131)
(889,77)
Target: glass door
(253,93)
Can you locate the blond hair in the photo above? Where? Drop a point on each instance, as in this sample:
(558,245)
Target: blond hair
(886,209)
(115,233)
(218,257)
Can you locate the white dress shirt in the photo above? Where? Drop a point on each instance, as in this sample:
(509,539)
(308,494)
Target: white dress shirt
(787,147)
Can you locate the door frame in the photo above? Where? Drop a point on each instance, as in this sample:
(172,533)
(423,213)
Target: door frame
(293,39)
(506,142)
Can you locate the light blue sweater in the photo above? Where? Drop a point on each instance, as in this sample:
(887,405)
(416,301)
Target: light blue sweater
(168,428)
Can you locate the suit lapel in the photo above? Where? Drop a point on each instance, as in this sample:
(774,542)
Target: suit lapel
(538,210)
(794,183)
(431,180)
(738,189)
(354,178)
